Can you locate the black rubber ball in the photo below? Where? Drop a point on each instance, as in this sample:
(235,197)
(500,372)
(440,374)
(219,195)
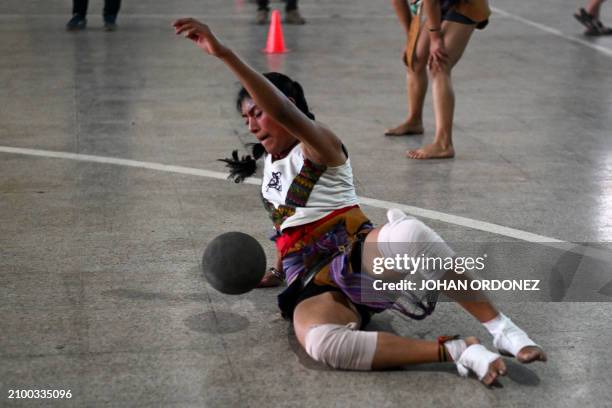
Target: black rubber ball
(234,263)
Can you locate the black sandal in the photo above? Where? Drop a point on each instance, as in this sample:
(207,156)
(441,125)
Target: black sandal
(585,19)
(594,27)
(602,29)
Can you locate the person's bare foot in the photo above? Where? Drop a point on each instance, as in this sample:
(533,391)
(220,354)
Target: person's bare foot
(496,368)
(471,340)
(529,354)
(406,128)
(432,151)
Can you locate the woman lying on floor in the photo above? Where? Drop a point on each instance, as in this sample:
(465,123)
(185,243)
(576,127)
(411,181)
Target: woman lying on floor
(309,192)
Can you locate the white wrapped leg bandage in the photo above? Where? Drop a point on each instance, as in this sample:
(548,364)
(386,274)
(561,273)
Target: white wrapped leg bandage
(341,347)
(508,338)
(405,235)
(476,358)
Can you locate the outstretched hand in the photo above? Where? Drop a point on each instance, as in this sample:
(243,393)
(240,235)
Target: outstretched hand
(201,34)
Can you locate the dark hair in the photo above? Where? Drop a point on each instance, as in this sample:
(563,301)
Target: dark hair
(241,168)
(290,88)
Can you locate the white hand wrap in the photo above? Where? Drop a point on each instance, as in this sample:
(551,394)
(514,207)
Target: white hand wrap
(341,347)
(476,358)
(455,348)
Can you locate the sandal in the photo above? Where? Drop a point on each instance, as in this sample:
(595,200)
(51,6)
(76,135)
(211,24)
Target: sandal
(602,29)
(585,19)
(594,27)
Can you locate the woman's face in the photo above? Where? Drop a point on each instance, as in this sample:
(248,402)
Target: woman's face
(274,138)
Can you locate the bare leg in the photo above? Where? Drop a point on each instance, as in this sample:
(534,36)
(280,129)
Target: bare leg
(478,305)
(589,17)
(335,308)
(475,303)
(593,8)
(416,87)
(456,38)
(391,350)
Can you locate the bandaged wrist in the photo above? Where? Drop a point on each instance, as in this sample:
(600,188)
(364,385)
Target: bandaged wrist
(497,324)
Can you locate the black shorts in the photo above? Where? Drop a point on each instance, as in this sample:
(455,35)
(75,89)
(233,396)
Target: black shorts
(292,296)
(449,14)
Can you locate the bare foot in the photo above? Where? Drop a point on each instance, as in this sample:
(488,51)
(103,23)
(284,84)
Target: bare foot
(406,128)
(432,151)
(529,354)
(496,368)
(471,340)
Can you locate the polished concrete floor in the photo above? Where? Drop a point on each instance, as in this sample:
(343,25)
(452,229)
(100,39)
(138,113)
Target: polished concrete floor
(100,287)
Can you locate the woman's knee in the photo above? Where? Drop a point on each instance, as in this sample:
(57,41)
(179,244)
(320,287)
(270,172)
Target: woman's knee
(406,236)
(404,228)
(341,347)
(419,62)
(443,73)
(327,308)
(419,65)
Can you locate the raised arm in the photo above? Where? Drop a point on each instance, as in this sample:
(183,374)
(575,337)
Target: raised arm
(321,145)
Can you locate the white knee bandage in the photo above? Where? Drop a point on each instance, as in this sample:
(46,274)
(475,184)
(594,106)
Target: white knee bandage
(341,346)
(405,235)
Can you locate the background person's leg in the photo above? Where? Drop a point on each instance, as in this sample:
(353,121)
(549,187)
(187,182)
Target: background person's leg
(263,5)
(416,87)
(593,7)
(111,8)
(596,26)
(456,37)
(292,13)
(79,7)
(78,20)
(291,5)
(263,9)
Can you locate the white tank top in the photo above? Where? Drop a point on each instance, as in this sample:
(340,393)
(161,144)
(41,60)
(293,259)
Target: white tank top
(296,191)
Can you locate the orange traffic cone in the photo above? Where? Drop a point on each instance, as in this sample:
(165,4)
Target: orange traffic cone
(275,43)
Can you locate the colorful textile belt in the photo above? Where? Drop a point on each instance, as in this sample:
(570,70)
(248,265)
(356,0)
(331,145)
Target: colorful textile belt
(327,260)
